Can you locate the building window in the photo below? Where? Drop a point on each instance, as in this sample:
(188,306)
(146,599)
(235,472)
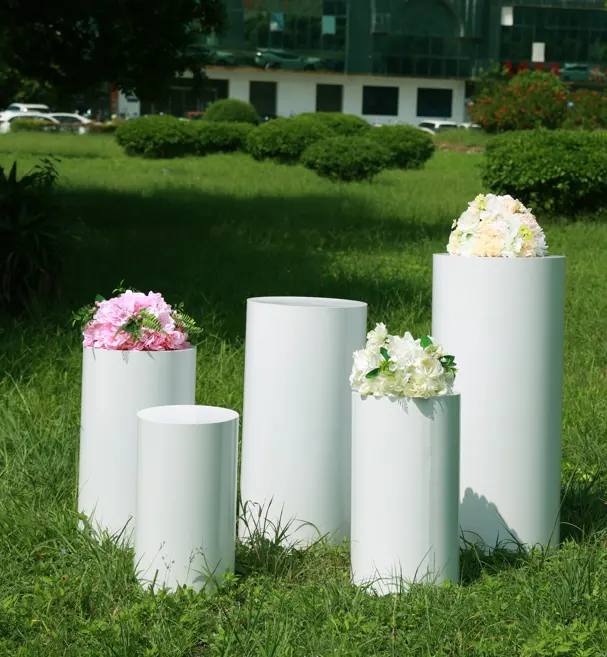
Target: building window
(329,97)
(262,95)
(437,103)
(380,101)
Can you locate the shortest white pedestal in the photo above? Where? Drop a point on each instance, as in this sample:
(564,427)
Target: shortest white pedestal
(405,491)
(185,532)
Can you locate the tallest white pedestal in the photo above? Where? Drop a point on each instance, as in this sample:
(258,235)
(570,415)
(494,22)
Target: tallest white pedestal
(296,443)
(503,320)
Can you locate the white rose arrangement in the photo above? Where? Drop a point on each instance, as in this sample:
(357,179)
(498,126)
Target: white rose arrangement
(497,226)
(391,365)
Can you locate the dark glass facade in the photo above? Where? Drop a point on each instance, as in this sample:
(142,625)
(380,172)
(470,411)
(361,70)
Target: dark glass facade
(417,38)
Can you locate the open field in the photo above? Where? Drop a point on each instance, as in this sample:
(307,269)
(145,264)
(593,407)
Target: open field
(212,232)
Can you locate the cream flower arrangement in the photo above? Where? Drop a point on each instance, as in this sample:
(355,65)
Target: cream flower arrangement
(395,366)
(497,226)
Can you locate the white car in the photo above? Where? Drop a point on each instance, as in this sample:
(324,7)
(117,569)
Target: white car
(7,117)
(75,121)
(434,127)
(470,126)
(25,107)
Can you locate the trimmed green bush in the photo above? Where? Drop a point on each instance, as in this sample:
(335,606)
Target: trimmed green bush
(221,137)
(284,140)
(341,124)
(103,128)
(157,136)
(232,110)
(346,158)
(553,171)
(410,147)
(32,125)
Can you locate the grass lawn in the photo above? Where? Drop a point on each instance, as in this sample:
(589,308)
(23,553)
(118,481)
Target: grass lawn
(212,232)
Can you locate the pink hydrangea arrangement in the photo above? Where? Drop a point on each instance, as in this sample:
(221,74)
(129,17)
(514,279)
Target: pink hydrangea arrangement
(135,321)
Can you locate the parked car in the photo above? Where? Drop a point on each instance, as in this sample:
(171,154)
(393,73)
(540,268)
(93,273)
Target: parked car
(7,117)
(75,121)
(470,126)
(434,127)
(276,58)
(222,58)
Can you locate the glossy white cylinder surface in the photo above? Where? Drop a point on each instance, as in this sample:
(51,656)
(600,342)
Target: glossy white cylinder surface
(185,533)
(503,320)
(296,447)
(115,386)
(405,491)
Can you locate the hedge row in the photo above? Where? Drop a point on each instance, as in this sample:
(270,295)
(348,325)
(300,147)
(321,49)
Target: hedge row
(166,137)
(560,171)
(337,146)
(37,125)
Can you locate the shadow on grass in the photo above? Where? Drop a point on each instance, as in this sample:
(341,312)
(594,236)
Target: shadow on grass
(214,251)
(584,506)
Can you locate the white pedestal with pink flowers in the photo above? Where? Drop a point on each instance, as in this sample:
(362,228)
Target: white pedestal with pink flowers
(116,385)
(504,319)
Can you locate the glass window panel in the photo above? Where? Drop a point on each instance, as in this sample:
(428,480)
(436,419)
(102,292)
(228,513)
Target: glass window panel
(329,97)
(435,102)
(277,22)
(436,67)
(329,25)
(380,101)
(262,95)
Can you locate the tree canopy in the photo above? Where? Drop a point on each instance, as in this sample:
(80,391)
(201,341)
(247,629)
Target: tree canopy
(73,45)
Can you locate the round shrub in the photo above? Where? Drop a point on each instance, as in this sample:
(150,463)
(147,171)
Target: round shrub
(556,171)
(340,123)
(346,158)
(410,147)
(232,110)
(221,137)
(284,140)
(157,136)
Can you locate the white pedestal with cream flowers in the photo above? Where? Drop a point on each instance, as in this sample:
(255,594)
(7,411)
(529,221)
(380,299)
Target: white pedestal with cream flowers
(115,386)
(295,467)
(504,318)
(405,474)
(185,533)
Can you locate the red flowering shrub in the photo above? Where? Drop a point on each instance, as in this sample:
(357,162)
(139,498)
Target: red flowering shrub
(588,110)
(531,99)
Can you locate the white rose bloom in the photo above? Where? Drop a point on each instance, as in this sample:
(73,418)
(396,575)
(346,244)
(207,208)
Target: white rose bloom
(468,222)
(377,337)
(428,367)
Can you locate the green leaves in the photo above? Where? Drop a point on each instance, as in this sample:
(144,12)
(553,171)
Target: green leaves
(136,323)
(448,363)
(384,366)
(425,342)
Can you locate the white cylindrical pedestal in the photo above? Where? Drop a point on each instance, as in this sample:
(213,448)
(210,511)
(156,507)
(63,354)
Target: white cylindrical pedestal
(503,320)
(185,533)
(295,467)
(405,491)
(115,386)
